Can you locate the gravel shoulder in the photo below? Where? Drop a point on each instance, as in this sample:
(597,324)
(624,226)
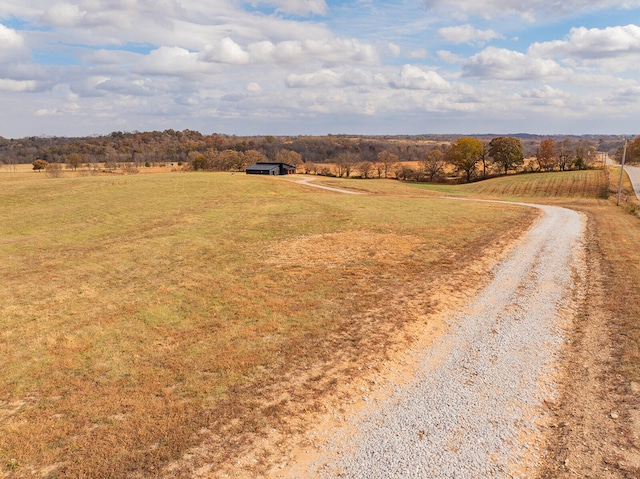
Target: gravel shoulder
(477,404)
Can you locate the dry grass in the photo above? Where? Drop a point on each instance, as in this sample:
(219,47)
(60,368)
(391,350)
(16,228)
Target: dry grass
(139,314)
(589,184)
(619,236)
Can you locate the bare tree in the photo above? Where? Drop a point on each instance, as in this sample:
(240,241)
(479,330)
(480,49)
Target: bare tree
(54,170)
(433,163)
(289,157)
(387,160)
(564,153)
(345,162)
(74,160)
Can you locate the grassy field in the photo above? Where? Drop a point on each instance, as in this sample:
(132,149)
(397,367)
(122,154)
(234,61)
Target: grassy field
(138,313)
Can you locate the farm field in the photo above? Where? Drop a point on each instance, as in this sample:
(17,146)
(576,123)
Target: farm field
(143,313)
(143,316)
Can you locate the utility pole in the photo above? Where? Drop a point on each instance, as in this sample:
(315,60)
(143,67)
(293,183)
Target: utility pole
(624,154)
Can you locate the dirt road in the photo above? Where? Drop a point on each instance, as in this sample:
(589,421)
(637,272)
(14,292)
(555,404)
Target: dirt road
(477,404)
(308,182)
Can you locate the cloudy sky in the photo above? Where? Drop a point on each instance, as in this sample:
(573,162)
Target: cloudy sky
(82,67)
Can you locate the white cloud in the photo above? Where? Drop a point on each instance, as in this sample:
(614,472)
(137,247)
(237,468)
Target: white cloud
(19,86)
(112,13)
(450,57)
(172,61)
(63,15)
(45,112)
(546,95)
(297,7)
(414,78)
(467,34)
(122,86)
(320,79)
(628,97)
(341,50)
(605,46)
(17,73)
(502,64)
(532,10)
(12,46)
(110,57)
(394,49)
(291,52)
(253,87)
(336,51)
(421,53)
(227,51)
(328,78)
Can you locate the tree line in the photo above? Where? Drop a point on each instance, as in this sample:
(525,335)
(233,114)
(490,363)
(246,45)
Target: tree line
(419,158)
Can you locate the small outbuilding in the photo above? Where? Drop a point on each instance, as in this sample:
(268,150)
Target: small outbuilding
(271,169)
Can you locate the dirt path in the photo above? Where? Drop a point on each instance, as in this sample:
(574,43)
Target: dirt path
(308,182)
(476,406)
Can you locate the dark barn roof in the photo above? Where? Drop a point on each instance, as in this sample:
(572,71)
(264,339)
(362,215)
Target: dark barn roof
(265,168)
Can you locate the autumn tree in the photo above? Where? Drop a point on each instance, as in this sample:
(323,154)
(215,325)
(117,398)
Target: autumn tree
(199,162)
(40,165)
(506,152)
(546,154)
(633,151)
(254,156)
(464,154)
(232,160)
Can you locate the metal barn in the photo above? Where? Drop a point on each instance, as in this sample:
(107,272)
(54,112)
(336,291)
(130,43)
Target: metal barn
(274,169)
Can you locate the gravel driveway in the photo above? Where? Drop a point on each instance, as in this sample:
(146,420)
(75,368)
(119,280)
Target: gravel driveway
(473,409)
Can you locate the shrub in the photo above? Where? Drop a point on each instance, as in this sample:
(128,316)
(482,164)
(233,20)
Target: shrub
(54,170)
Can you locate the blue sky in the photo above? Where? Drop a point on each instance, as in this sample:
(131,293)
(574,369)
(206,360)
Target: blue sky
(82,67)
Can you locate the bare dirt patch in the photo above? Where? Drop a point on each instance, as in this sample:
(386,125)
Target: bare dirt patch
(334,250)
